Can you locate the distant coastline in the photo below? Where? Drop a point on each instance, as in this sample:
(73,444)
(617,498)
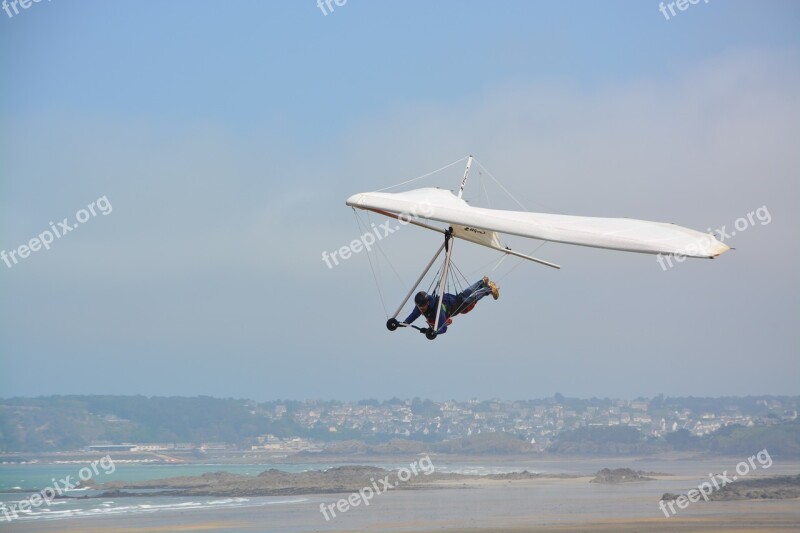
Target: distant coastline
(188,429)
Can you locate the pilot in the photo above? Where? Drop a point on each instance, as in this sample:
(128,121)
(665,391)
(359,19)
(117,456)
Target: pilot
(452,304)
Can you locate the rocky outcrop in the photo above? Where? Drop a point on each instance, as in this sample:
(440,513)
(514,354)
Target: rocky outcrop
(620,475)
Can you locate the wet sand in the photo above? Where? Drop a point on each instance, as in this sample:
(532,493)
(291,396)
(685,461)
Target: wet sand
(541,505)
(739,524)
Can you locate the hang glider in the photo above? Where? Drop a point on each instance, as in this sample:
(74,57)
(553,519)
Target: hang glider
(482,226)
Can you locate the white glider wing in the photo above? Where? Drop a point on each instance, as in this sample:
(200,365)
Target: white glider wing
(625,234)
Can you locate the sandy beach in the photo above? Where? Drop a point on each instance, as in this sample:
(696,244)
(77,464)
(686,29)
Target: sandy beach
(541,505)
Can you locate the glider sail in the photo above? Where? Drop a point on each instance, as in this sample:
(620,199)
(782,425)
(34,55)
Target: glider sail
(480,225)
(483,226)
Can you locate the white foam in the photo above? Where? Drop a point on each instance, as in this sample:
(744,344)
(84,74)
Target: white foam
(301,500)
(132,506)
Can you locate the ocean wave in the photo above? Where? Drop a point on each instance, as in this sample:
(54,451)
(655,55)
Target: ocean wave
(228,500)
(299,500)
(86,509)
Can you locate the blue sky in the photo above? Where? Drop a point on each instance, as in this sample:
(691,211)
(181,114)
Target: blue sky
(228,135)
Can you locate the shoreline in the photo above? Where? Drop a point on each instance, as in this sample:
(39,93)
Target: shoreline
(539,505)
(515,503)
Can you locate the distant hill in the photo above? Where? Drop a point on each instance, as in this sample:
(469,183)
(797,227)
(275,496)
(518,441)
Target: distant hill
(781,440)
(485,443)
(602,440)
(62,423)
(72,422)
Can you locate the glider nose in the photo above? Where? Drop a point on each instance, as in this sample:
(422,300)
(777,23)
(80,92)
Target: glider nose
(356,200)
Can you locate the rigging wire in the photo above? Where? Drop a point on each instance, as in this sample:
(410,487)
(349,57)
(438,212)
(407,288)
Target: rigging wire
(501,186)
(483,267)
(455,275)
(480,165)
(423,176)
(485,192)
(511,195)
(383,253)
(433,285)
(521,260)
(459,287)
(372,269)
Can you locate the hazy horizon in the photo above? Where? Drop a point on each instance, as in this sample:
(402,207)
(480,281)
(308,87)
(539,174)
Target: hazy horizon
(405,399)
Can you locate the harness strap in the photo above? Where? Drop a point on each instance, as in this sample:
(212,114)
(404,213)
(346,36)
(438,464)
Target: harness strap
(446,322)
